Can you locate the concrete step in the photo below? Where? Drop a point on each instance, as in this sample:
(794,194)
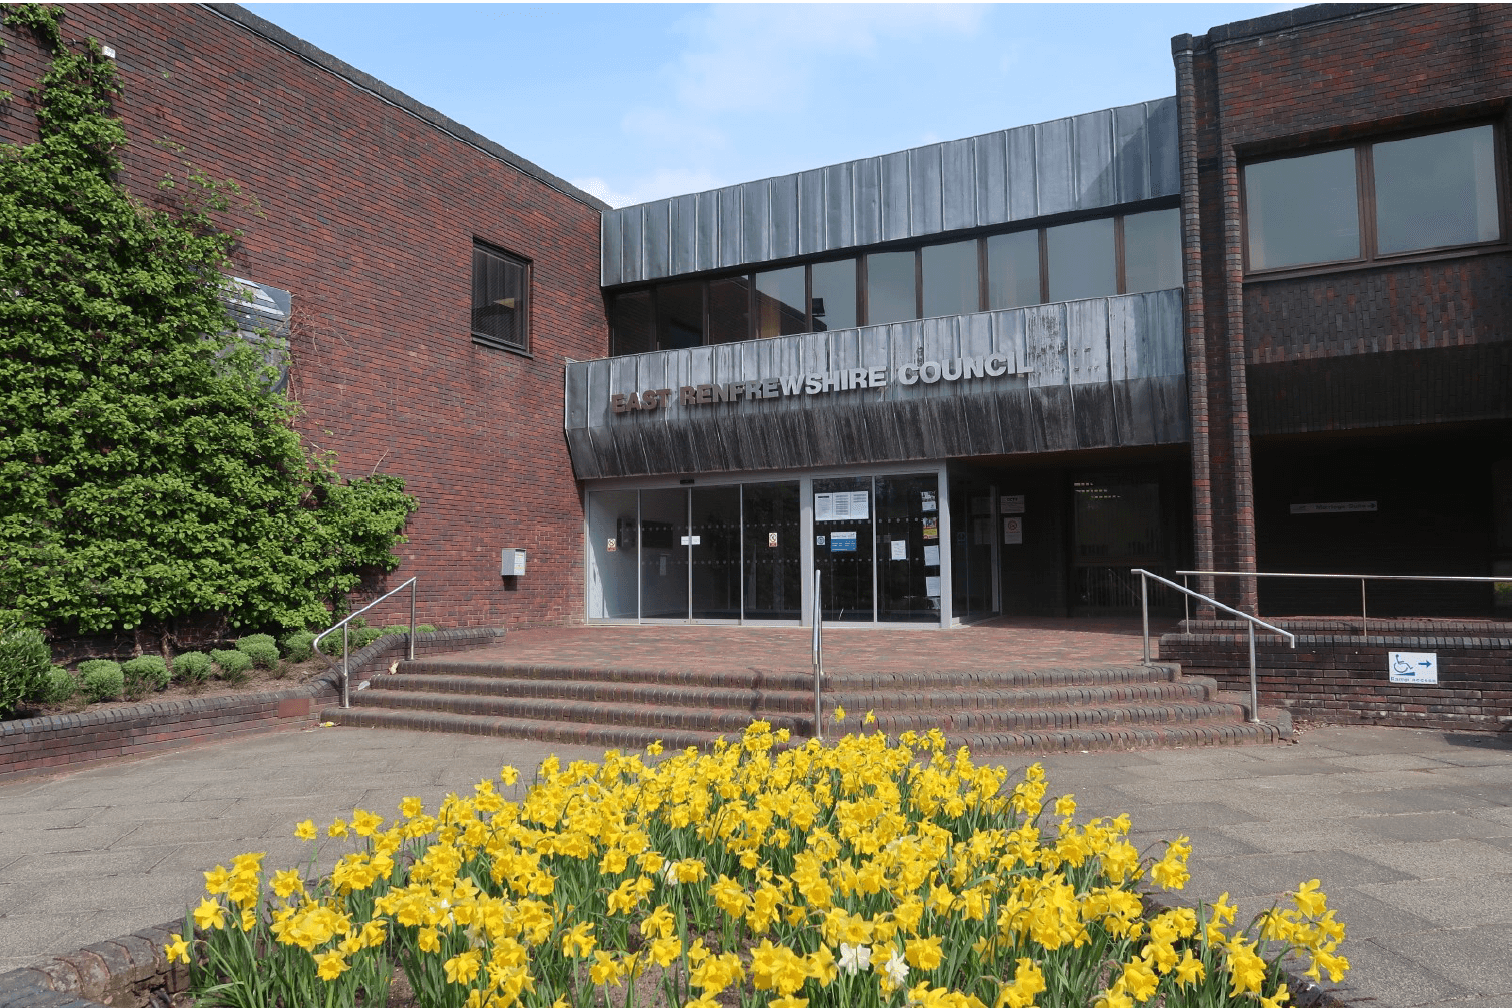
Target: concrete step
(918,694)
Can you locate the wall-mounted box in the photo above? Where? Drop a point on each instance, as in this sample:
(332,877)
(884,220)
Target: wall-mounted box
(512,564)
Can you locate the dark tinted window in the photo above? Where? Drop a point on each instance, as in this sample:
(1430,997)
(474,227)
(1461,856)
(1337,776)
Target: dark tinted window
(1080,261)
(1302,210)
(1152,251)
(1013,270)
(1436,190)
(890,294)
(630,325)
(729,310)
(500,299)
(950,279)
(680,315)
(834,294)
(780,309)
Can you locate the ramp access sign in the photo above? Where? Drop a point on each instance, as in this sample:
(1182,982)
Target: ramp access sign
(1413,666)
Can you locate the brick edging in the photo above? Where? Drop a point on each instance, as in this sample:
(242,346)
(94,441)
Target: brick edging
(122,973)
(74,741)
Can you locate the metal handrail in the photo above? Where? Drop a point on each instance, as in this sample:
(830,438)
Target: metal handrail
(1144,601)
(1362,578)
(818,660)
(346,637)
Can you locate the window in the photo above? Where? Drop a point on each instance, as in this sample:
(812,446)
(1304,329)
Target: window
(500,299)
(1127,254)
(1373,200)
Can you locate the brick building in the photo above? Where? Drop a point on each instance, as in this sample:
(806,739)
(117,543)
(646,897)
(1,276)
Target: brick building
(1260,325)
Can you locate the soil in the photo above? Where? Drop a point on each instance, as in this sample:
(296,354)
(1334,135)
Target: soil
(288,674)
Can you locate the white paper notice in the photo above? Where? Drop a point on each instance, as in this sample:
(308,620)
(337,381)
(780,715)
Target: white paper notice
(900,549)
(1011,504)
(841,506)
(932,586)
(931,556)
(1013,531)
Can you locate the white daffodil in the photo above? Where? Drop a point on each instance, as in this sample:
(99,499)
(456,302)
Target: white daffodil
(895,968)
(854,958)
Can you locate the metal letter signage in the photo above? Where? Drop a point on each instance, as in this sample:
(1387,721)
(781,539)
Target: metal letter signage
(816,383)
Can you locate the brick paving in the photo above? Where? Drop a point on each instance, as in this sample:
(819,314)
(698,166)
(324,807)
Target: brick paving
(1005,642)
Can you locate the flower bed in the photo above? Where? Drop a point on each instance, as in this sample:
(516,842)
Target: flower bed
(864,873)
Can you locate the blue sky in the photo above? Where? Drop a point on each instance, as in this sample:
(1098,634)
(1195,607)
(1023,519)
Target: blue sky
(635,102)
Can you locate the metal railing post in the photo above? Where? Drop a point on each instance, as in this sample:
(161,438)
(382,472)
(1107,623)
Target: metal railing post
(1254,682)
(414,587)
(346,658)
(1144,606)
(1364,618)
(818,658)
(344,625)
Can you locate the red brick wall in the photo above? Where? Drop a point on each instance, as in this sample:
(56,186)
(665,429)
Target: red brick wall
(369,214)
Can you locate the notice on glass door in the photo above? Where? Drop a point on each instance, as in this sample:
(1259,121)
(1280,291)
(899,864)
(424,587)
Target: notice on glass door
(1013,531)
(931,556)
(926,500)
(932,586)
(846,506)
(900,549)
(842,542)
(931,528)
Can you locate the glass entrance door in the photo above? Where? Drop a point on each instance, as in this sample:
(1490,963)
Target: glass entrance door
(843,548)
(773,580)
(714,549)
(908,549)
(664,554)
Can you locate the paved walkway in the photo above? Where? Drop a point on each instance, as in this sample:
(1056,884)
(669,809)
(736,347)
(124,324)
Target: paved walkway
(1009,641)
(1410,832)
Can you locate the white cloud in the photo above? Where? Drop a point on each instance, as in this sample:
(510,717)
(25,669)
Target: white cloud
(660,184)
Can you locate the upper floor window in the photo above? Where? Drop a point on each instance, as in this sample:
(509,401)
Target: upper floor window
(1126,254)
(1373,200)
(500,299)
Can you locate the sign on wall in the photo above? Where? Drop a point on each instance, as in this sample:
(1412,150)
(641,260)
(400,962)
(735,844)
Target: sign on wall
(1413,667)
(1333,507)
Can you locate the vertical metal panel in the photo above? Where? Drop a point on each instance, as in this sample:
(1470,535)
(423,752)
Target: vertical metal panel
(1131,153)
(708,230)
(682,235)
(730,213)
(755,220)
(812,212)
(925,198)
(609,242)
(1045,344)
(1123,355)
(657,221)
(632,231)
(575,388)
(1087,342)
(866,214)
(958,184)
(840,205)
(991,177)
(1023,190)
(895,196)
(1054,176)
(1160,126)
(1096,184)
(783,214)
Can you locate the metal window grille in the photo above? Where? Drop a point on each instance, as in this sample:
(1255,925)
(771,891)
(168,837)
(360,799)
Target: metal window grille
(500,299)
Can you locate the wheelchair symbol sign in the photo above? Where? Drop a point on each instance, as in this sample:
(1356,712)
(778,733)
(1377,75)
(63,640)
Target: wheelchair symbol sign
(1412,666)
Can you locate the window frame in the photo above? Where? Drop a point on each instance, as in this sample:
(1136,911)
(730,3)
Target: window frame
(859,257)
(523,312)
(1365,205)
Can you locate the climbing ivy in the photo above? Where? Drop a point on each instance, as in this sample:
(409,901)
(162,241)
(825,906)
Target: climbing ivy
(149,473)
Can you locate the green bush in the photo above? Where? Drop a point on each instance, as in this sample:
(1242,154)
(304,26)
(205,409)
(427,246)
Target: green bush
(424,628)
(261,648)
(296,646)
(24,661)
(102,679)
(233,665)
(363,636)
(60,686)
(145,674)
(192,668)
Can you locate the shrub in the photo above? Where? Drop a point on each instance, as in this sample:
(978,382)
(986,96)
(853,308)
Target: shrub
(363,636)
(60,686)
(145,674)
(192,668)
(261,648)
(296,646)
(424,628)
(24,661)
(102,679)
(233,665)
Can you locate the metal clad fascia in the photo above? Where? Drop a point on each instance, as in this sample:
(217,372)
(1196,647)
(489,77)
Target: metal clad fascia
(958,184)
(1054,158)
(755,220)
(708,230)
(609,245)
(925,195)
(1096,185)
(1123,351)
(783,218)
(1160,127)
(632,235)
(1131,153)
(811,212)
(1045,344)
(575,388)
(991,152)
(1087,341)
(684,234)
(867,201)
(839,206)
(658,221)
(1023,190)
(730,226)
(895,196)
